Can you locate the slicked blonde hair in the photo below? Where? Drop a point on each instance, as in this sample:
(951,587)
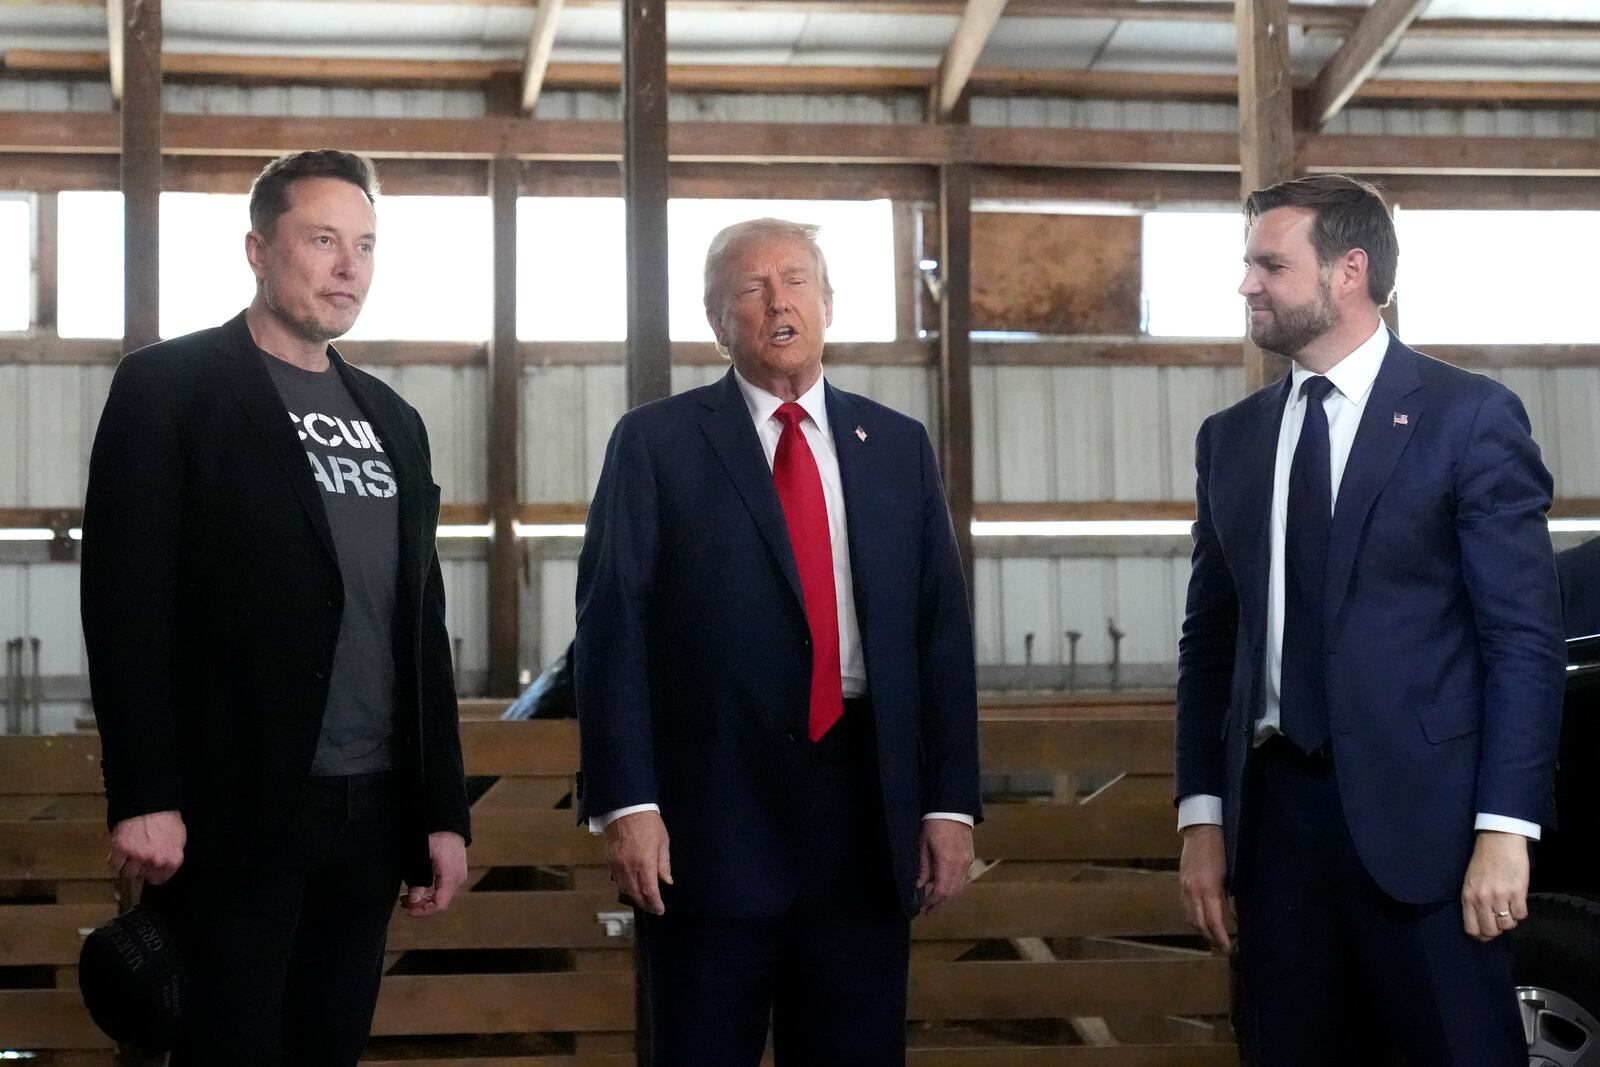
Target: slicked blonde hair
(730,240)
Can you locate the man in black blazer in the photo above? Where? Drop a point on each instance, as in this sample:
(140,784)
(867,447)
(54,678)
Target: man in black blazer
(774,666)
(264,616)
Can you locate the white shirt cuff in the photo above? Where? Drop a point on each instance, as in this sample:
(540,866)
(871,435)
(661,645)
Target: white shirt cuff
(1198,809)
(953,816)
(1507,825)
(598,823)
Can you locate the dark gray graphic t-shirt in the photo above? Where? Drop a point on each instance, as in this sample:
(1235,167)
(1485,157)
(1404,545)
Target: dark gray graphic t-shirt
(359,492)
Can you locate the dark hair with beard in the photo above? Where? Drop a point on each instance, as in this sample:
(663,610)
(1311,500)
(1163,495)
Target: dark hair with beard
(1350,213)
(269,193)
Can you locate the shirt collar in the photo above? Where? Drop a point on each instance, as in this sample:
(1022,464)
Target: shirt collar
(1354,374)
(762,404)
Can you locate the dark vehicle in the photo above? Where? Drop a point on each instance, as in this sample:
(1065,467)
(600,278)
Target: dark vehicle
(1556,951)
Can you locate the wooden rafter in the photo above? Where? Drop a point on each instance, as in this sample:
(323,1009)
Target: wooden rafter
(1374,37)
(540,43)
(978,19)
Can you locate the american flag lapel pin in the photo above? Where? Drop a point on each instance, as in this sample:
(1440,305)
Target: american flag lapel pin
(1400,419)
(862,434)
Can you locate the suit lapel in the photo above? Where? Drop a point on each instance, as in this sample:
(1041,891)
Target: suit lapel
(1380,438)
(253,387)
(1260,450)
(855,475)
(732,436)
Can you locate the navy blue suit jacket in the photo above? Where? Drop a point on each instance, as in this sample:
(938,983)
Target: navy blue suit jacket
(1445,661)
(693,657)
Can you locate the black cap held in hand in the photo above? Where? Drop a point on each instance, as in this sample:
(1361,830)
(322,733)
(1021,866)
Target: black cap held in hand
(132,980)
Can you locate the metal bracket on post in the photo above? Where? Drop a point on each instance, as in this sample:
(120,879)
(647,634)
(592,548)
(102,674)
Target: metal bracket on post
(1027,660)
(14,685)
(36,691)
(1072,637)
(617,924)
(62,550)
(1116,636)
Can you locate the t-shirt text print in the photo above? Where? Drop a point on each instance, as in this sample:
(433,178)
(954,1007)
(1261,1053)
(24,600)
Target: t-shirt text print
(345,474)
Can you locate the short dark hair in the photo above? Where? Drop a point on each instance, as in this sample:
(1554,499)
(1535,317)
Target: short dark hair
(269,193)
(1350,213)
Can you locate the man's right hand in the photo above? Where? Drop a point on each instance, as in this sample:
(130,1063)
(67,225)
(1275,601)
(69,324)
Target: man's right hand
(636,848)
(148,847)
(1202,869)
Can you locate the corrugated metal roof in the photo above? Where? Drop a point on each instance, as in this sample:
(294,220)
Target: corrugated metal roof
(499,31)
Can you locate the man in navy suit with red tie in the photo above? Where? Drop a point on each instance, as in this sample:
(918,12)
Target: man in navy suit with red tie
(1371,668)
(775,683)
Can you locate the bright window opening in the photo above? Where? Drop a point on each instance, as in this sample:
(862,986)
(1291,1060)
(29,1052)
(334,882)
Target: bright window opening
(1451,292)
(432,281)
(1193,264)
(571,264)
(16,264)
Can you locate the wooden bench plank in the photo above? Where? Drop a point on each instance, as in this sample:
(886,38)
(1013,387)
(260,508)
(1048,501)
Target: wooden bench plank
(47,1019)
(510,920)
(1189,1055)
(1074,745)
(60,764)
(1145,907)
(47,934)
(76,848)
(504,1003)
(1010,990)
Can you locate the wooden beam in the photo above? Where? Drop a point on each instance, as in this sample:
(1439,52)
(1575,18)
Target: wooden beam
(1374,37)
(141,132)
(978,20)
(540,43)
(644,183)
(868,144)
(504,440)
(45,261)
(1266,125)
(955,353)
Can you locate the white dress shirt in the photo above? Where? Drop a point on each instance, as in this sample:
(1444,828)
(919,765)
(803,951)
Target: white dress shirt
(1352,379)
(852,664)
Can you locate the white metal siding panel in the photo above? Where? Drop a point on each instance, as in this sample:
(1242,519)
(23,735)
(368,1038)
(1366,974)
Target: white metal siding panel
(1082,433)
(453,404)
(986,456)
(314,101)
(1576,393)
(605,399)
(1138,449)
(1023,422)
(466,598)
(558,589)
(1029,605)
(987,605)
(552,435)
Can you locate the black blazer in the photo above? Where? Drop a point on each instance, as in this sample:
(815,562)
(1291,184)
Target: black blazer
(212,601)
(693,657)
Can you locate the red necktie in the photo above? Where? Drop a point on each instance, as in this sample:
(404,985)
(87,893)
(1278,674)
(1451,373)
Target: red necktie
(794,469)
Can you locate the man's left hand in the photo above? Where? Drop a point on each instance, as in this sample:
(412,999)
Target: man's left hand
(1494,897)
(448,851)
(944,863)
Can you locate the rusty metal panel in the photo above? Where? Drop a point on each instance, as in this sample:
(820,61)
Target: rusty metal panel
(1056,274)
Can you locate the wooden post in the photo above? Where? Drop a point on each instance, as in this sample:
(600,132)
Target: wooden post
(644,190)
(504,439)
(45,263)
(1266,127)
(141,173)
(955,352)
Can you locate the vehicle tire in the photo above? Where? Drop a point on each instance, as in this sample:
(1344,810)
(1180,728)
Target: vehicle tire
(1556,967)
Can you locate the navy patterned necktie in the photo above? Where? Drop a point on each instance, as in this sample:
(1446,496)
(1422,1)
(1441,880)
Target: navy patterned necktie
(1302,688)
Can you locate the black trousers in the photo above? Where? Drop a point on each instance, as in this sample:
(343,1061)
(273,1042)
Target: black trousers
(1333,971)
(830,975)
(284,959)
